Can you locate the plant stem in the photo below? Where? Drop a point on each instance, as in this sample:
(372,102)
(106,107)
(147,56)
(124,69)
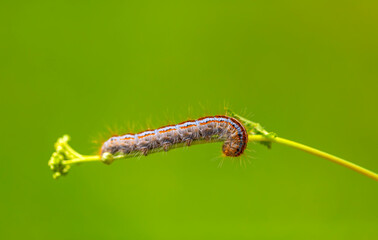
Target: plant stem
(82,159)
(313,151)
(253,138)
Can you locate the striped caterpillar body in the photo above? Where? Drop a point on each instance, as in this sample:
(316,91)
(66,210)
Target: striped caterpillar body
(206,129)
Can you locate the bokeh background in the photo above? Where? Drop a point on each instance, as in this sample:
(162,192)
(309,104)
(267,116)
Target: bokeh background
(306,70)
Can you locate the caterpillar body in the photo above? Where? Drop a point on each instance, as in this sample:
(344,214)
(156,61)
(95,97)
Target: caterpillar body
(205,129)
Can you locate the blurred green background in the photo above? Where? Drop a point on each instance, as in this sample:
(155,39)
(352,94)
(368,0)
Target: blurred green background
(306,70)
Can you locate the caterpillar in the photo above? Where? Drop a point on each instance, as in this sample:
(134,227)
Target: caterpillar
(205,129)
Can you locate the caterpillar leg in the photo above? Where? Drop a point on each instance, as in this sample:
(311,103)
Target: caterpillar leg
(188,142)
(144,151)
(166,146)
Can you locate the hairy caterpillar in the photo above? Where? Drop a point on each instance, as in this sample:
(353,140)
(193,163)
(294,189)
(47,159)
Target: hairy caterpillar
(208,129)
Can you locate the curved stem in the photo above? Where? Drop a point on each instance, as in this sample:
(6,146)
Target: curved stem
(65,156)
(315,152)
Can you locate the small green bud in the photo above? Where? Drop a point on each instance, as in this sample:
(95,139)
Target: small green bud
(66,138)
(56,175)
(107,158)
(65,169)
(59,148)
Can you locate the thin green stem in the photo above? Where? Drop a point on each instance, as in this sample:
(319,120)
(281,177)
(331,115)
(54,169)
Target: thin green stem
(83,159)
(252,138)
(313,151)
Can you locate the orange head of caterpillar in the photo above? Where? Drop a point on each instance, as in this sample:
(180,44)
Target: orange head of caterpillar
(234,147)
(237,141)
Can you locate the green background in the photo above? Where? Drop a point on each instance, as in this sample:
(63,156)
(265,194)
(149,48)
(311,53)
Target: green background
(306,70)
